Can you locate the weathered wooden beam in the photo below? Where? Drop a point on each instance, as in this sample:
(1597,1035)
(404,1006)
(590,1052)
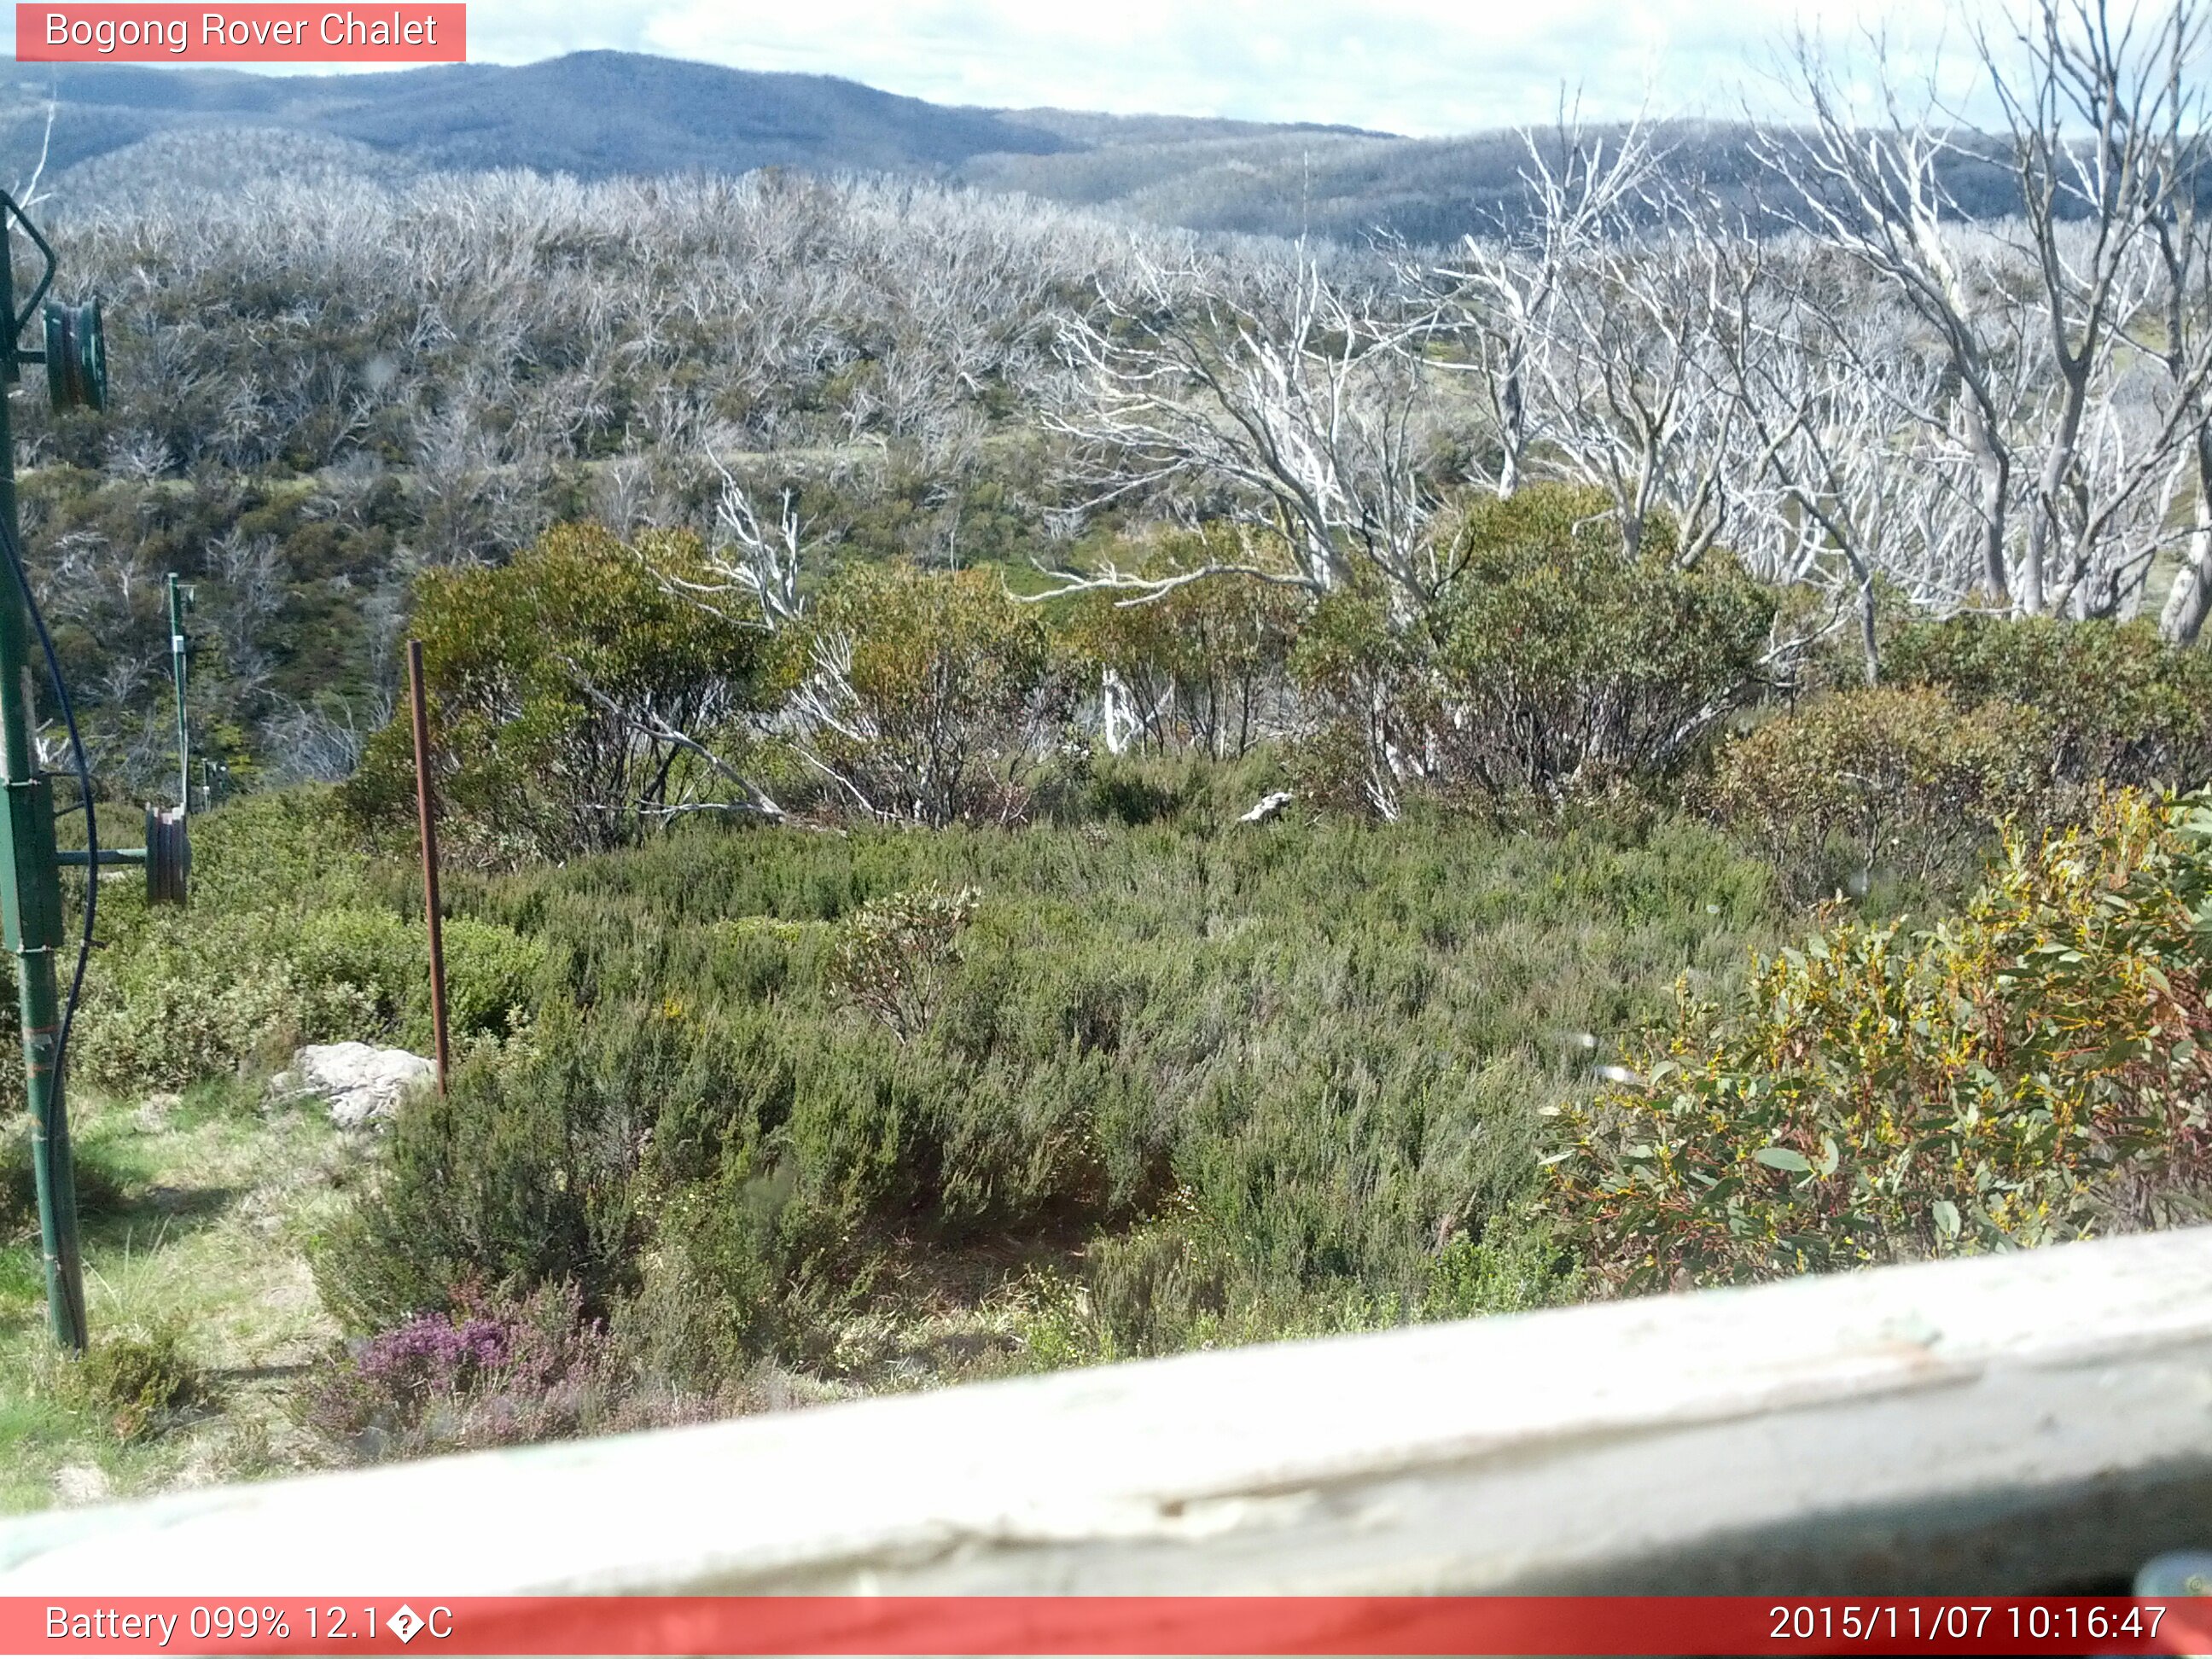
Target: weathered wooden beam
(2028,1422)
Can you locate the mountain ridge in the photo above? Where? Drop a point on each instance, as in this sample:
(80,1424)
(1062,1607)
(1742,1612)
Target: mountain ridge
(596,114)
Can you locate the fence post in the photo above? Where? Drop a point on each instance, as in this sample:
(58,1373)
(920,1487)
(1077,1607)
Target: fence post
(427,819)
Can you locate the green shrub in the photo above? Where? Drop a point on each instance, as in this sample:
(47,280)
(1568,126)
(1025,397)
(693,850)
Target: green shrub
(1881,778)
(494,978)
(748,1265)
(1168,1286)
(184,1004)
(1547,666)
(1568,669)
(359,969)
(1203,666)
(934,693)
(1370,696)
(1503,1269)
(893,957)
(2118,705)
(367,973)
(553,681)
(1186,790)
(289,939)
(277,848)
(178,995)
(1217,1086)
(518,1177)
(201,995)
(2035,1070)
(137,1380)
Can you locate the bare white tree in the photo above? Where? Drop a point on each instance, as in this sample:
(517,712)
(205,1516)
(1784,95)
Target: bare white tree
(1501,296)
(25,189)
(1288,402)
(1642,400)
(752,566)
(2090,100)
(2040,319)
(323,743)
(1876,192)
(2182,238)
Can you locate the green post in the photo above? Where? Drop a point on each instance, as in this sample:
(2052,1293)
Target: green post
(31,895)
(176,655)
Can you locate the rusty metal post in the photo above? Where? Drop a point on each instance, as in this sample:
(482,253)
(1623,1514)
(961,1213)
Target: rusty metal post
(428,819)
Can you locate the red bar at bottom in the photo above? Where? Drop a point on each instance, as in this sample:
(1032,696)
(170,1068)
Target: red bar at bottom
(426,1623)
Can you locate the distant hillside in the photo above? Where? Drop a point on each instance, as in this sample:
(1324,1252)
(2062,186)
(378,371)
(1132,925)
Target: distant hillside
(592,113)
(121,129)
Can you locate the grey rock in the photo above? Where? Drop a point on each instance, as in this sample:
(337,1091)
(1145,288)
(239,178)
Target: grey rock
(362,1083)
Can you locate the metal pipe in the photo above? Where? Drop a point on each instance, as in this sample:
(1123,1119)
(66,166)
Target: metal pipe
(31,894)
(427,820)
(177,654)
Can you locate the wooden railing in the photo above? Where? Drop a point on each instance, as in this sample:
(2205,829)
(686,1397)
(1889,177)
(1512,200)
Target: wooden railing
(2037,1421)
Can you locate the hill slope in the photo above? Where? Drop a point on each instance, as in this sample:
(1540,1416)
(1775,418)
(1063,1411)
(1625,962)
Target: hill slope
(595,114)
(592,113)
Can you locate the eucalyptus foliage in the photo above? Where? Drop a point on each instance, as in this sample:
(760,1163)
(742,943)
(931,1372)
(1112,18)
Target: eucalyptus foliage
(2034,1069)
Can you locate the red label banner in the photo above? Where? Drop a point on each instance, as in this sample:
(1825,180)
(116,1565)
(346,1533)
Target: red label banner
(256,33)
(1103,1624)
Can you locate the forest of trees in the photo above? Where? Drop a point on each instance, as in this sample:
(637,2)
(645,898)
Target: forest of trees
(1855,393)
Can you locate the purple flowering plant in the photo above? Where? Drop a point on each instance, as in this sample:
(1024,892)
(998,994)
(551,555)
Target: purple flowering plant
(493,1369)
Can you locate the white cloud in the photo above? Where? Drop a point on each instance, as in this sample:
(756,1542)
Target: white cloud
(1411,66)
(1407,65)
(1416,66)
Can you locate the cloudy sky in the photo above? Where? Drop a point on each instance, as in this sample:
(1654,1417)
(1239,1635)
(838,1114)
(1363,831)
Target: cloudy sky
(1413,66)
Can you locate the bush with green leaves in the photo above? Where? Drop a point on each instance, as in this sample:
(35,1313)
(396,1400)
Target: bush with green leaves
(178,1009)
(1547,666)
(520,1177)
(178,995)
(931,695)
(1369,693)
(1892,779)
(137,1380)
(576,693)
(2116,703)
(291,938)
(1567,668)
(894,955)
(1202,666)
(1183,790)
(2037,1068)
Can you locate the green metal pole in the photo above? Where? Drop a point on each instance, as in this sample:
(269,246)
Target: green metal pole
(31,897)
(177,673)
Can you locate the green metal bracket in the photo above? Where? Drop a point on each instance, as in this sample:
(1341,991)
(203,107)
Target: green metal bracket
(166,856)
(30,900)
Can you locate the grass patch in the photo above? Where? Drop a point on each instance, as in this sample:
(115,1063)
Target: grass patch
(198,1213)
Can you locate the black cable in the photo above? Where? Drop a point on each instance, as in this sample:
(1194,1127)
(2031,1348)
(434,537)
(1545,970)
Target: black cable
(15,552)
